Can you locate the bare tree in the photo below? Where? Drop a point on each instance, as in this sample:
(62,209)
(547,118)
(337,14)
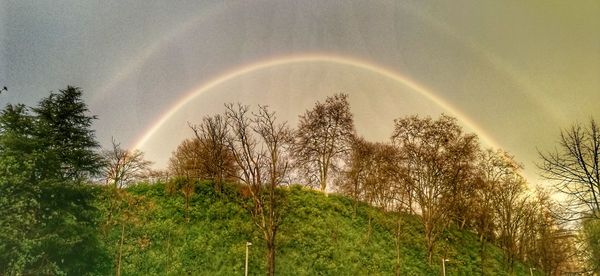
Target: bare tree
(260,148)
(123,166)
(511,208)
(434,156)
(217,159)
(323,138)
(545,241)
(206,156)
(574,167)
(507,213)
(372,175)
(463,182)
(493,167)
(352,181)
(186,160)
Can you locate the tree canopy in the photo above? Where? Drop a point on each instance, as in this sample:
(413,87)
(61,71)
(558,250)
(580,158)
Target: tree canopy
(46,211)
(323,138)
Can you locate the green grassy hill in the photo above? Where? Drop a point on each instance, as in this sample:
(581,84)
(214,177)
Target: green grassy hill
(321,235)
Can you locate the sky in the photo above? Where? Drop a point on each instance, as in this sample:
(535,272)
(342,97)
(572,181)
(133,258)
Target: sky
(514,72)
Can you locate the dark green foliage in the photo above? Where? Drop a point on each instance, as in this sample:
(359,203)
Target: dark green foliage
(63,123)
(321,235)
(47,217)
(17,198)
(67,226)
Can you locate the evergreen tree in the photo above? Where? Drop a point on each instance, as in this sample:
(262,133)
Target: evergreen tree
(46,210)
(63,123)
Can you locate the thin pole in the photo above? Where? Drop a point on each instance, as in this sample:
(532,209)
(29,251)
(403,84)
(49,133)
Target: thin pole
(443,267)
(248,244)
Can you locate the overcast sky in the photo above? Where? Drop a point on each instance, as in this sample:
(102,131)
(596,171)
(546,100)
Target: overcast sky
(518,71)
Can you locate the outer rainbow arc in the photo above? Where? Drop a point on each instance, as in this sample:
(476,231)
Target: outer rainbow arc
(316,58)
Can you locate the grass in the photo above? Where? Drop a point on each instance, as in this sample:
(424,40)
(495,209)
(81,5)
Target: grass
(320,235)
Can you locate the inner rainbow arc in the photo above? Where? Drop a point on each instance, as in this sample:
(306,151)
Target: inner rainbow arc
(313,58)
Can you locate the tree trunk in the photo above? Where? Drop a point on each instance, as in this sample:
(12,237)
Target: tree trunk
(187,205)
(429,253)
(398,249)
(271,257)
(369,227)
(219,180)
(410,202)
(110,213)
(323,186)
(430,242)
(323,180)
(482,255)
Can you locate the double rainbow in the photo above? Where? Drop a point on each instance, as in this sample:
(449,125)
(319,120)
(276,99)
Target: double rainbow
(314,58)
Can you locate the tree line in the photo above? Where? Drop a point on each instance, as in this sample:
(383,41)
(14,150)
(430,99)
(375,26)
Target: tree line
(430,168)
(48,219)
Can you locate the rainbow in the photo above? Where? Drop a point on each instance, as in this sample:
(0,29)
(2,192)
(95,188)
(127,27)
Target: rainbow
(136,62)
(313,58)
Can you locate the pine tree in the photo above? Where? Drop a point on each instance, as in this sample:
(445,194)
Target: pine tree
(47,212)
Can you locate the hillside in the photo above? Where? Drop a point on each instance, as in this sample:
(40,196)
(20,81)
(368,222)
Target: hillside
(321,235)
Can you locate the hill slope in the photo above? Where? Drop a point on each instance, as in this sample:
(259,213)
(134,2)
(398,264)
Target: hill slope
(320,236)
